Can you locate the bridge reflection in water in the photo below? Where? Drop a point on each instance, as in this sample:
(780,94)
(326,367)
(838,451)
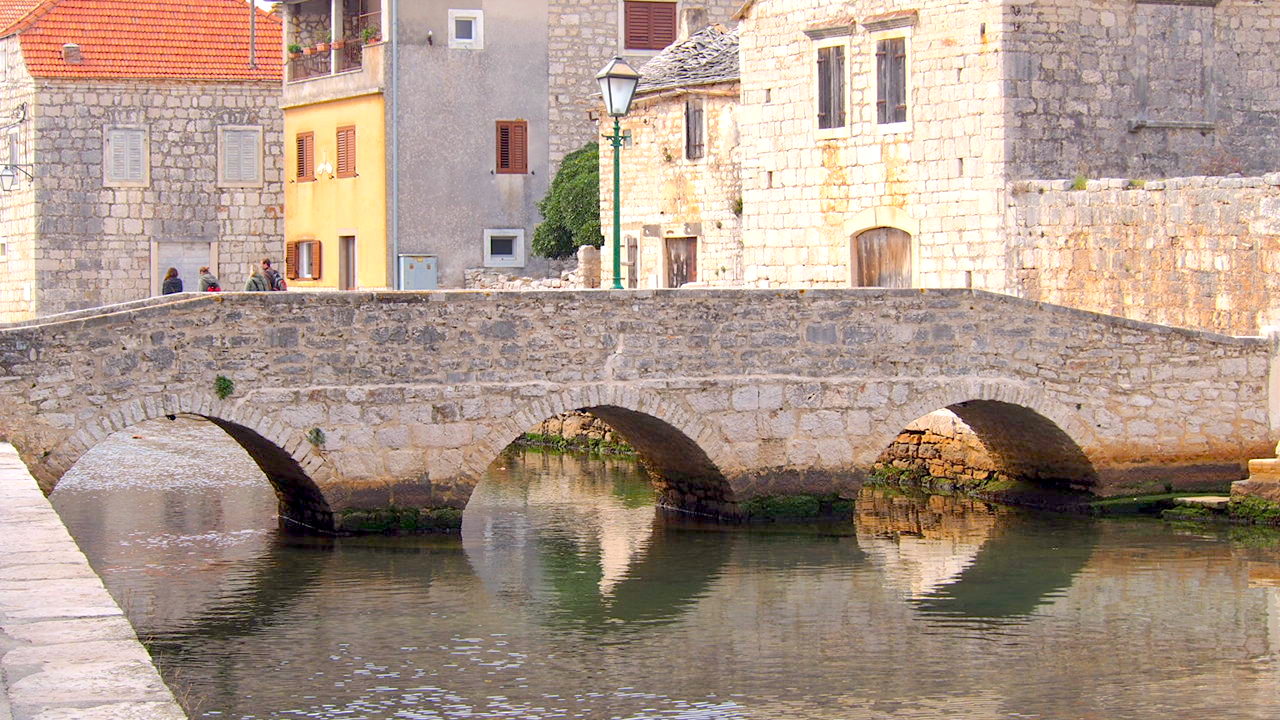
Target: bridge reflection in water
(567,596)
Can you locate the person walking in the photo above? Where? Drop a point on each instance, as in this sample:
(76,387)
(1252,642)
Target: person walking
(257,282)
(274,280)
(208,281)
(172,283)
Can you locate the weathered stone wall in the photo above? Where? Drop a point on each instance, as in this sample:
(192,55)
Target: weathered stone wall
(727,394)
(94,243)
(1083,74)
(807,192)
(580,272)
(665,194)
(582,36)
(941,445)
(17,208)
(1198,252)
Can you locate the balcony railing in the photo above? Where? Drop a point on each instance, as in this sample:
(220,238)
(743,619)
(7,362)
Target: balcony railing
(348,54)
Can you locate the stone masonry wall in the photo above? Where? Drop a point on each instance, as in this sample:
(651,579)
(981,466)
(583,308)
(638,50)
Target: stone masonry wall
(583,35)
(1199,78)
(1198,252)
(807,192)
(17,208)
(667,195)
(95,242)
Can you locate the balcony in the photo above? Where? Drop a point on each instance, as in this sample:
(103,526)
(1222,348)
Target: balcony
(320,68)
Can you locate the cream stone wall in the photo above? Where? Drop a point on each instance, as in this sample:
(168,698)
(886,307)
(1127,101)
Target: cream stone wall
(808,192)
(666,195)
(17,208)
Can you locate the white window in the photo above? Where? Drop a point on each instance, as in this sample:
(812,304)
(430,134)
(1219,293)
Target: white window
(466,29)
(125,158)
(306,265)
(504,248)
(239,156)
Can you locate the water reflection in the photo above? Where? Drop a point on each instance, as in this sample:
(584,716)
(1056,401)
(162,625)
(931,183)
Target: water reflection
(567,598)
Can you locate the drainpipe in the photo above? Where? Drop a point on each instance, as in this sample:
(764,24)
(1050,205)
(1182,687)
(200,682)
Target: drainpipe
(393,17)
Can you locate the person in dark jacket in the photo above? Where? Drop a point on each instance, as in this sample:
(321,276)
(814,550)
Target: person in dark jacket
(208,281)
(257,282)
(172,283)
(274,280)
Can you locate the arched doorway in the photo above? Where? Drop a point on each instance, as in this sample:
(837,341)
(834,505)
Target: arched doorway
(882,258)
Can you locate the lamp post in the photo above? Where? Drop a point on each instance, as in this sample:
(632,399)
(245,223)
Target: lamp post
(618,82)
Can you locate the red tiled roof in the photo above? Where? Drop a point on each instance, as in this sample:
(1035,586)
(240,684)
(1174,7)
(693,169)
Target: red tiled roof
(134,39)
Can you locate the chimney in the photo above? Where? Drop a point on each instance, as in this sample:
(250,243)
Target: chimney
(71,54)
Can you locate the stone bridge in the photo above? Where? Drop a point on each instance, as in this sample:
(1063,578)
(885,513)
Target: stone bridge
(353,401)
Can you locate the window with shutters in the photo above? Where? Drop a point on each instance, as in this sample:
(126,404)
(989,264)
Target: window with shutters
(302,260)
(891,81)
(126,159)
(513,147)
(695,145)
(648,24)
(347,151)
(466,29)
(239,156)
(305,156)
(831,87)
(504,248)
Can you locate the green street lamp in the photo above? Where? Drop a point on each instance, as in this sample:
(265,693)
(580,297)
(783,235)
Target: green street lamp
(618,82)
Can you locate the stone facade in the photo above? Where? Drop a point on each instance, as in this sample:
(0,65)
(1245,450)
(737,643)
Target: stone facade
(579,273)
(727,394)
(18,207)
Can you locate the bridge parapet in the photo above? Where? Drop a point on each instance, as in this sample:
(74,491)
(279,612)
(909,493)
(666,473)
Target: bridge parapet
(729,393)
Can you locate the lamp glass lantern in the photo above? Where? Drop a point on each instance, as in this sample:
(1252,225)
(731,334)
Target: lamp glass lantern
(8,178)
(618,82)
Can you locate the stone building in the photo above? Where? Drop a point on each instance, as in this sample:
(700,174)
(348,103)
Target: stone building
(138,136)
(681,176)
(1104,154)
(461,118)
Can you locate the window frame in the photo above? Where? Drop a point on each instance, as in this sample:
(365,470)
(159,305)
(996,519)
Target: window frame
(109,135)
(651,48)
(304,161)
(295,251)
(691,124)
(897,126)
(517,259)
(345,169)
(477,26)
(842,130)
(223,180)
(512,167)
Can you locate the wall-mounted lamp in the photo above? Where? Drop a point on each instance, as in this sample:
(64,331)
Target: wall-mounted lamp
(9,176)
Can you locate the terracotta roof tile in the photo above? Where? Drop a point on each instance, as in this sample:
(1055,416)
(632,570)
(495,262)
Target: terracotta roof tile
(156,39)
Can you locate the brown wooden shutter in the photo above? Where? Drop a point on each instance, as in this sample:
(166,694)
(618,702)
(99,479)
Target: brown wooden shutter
(512,147)
(891,81)
(315,260)
(347,151)
(648,25)
(291,260)
(306,164)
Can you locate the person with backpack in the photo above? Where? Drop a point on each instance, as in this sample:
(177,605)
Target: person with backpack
(208,281)
(274,280)
(257,282)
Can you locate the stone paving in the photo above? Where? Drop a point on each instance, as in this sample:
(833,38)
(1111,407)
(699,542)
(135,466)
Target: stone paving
(66,650)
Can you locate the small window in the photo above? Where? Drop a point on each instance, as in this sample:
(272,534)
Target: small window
(694,144)
(302,260)
(466,29)
(126,159)
(504,248)
(891,81)
(305,147)
(648,24)
(831,87)
(4,251)
(512,147)
(347,151)
(239,156)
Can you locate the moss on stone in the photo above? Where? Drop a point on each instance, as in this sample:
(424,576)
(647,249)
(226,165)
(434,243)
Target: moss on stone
(774,508)
(399,520)
(1187,512)
(1254,510)
(600,446)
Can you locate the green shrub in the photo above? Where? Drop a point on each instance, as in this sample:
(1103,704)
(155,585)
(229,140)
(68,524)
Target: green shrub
(571,209)
(1080,183)
(223,387)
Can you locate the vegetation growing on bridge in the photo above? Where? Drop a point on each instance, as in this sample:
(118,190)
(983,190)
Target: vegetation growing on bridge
(399,520)
(1254,509)
(784,508)
(582,444)
(223,387)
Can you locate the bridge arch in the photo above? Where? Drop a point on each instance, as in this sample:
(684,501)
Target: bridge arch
(287,460)
(677,452)
(1029,435)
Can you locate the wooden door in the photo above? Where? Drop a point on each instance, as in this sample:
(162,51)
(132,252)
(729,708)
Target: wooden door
(346,263)
(883,258)
(682,261)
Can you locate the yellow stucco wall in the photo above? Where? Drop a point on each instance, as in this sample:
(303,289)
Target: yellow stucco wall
(330,206)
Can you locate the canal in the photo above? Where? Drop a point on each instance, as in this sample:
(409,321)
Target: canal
(568,596)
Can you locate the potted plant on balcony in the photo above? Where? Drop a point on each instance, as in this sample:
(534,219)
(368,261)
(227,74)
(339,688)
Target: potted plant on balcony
(295,51)
(323,45)
(370,35)
(338,44)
